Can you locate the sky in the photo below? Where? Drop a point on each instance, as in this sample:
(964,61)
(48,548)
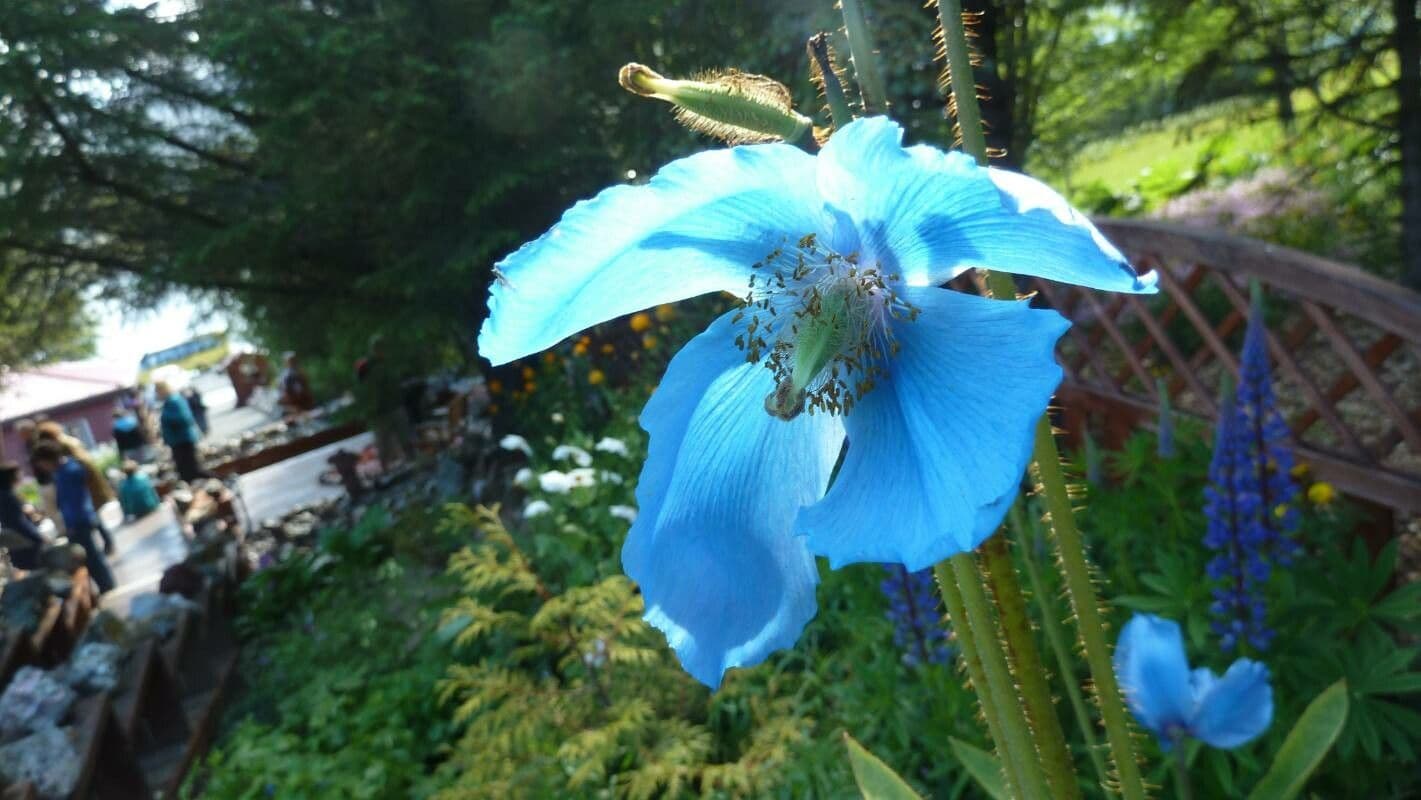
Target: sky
(123,335)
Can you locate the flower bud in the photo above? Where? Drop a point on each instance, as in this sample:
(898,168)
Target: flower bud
(735,106)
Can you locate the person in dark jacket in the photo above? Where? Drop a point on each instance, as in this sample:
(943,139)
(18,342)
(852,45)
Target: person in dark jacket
(197,407)
(129,435)
(72,491)
(179,432)
(14,519)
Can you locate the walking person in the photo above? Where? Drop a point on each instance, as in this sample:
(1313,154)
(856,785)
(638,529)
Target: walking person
(28,430)
(100,491)
(295,388)
(197,407)
(13,519)
(180,432)
(71,485)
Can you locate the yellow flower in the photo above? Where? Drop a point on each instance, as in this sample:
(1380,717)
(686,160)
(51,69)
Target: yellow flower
(608,349)
(550,357)
(664,312)
(1299,470)
(495,386)
(1280,510)
(641,322)
(595,377)
(579,349)
(1321,493)
(648,342)
(529,374)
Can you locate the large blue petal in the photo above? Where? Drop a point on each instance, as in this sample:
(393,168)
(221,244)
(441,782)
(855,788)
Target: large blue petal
(713,549)
(1235,709)
(694,228)
(929,215)
(1153,673)
(937,449)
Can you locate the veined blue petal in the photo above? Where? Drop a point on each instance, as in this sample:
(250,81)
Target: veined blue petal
(930,215)
(696,227)
(714,550)
(938,447)
(1235,709)
(1153,673)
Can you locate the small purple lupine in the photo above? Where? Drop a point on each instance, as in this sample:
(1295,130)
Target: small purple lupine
(1250,500)
(1232,507)
(1269,448)
(918,628)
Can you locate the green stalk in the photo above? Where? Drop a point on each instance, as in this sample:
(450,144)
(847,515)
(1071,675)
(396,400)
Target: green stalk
(964,87)
(1074,569)
(1029,670)
(839,112)
(1182,787)
(967,643)
(1060,649)
(1089,624)
(861,52)
(1000,686)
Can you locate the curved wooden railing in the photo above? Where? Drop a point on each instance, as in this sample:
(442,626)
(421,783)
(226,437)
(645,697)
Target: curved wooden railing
(1346,350)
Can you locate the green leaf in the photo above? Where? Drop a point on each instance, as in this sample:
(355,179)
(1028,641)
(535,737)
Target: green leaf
(982,766)
(1306,745)
(876,780)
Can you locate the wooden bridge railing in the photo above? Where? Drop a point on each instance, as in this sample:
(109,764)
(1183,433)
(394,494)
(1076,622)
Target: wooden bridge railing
(1345,346)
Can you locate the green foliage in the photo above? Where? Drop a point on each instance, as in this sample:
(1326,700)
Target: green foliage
(876,780)
(984,767)
(1336,611)
(340,696)
(1306,745)
(572,695)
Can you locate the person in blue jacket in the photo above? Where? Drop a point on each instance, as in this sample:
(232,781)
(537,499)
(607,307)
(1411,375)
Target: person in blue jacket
(71,486)
(14,519)
(179,431)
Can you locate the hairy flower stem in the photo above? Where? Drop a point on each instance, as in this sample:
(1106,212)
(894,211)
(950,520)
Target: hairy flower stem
(839,112)
(1052,479)
(1089,624)
(1029,670)
(1000,686)
(967,642)
(1060,646)
(865,60)
(1183,789)
(964,87)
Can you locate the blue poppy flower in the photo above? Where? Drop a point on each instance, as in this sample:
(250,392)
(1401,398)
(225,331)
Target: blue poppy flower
(843,335)
(1173,701)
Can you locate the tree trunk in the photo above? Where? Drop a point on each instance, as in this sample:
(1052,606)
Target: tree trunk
(1408,88)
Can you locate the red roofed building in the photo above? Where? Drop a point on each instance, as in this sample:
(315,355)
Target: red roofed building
(80,395)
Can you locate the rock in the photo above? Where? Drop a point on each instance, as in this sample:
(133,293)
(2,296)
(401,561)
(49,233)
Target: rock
(33,697)
(47,758)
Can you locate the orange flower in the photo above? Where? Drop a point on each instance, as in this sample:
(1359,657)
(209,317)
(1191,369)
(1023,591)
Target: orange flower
(664,312)
(493,408)
(641,322)
(595,377)
(550,357)
(580,349)
(608,349)
(648,342)
(495,386)
(529,374)
(530,387)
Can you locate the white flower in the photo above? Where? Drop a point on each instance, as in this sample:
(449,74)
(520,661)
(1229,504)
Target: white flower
(623,512)
(584,477)
(578,456)
(607,476)
(555,482)
(536,508)
(515,442)
(523,477)
(616,447)
(557,417)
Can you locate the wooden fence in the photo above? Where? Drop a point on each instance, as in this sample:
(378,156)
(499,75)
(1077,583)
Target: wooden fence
(1345,347)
